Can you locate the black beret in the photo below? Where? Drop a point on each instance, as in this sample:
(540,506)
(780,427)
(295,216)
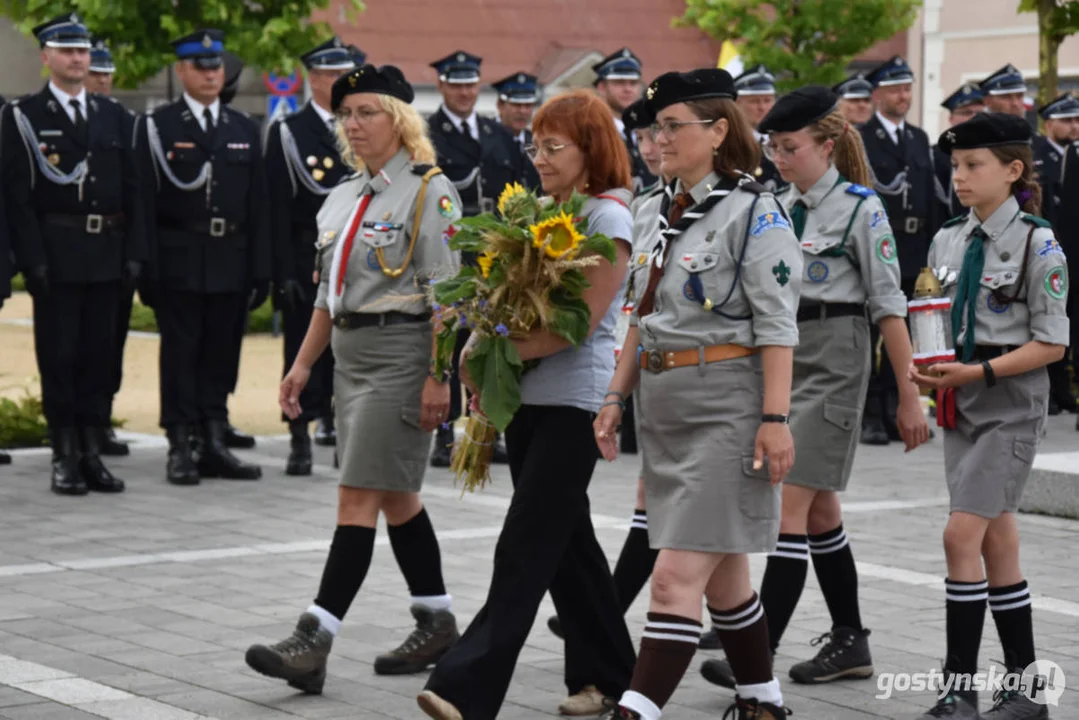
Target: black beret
(986,130)
(799,108)
(638,116)
(385,80)
(702,84)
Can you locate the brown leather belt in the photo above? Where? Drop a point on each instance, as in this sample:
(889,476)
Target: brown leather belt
(92,224)
(660,360)
(354,321)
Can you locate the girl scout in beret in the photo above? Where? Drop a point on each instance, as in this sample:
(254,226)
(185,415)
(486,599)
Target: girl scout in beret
(380,242)
(850,265)
(1008,281)
(716,327)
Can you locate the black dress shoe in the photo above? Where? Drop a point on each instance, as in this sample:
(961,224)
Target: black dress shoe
(181,469)
(215,460)
(443,452)
(235,439)
(325,434)
(299,456)
(5,459)
(111,446)
(874,435)
(94,473)
(66,479)
(555,626)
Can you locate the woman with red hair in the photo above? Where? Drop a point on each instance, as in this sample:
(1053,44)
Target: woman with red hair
(548,542)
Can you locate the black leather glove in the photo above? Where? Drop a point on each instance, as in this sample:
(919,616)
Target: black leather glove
(291,295)
(37,281)
(260,290)
(131,274)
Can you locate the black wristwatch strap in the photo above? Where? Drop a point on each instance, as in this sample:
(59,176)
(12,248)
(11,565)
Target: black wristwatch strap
(990,376)
(776,418)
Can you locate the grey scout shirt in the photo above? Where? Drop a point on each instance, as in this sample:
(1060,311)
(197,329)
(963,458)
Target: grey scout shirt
(645,227)
(386,224)
(1039,311)
(850,251)
(764,291)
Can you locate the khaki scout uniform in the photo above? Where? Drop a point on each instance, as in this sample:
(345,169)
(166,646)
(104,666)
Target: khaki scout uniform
(732,277)
(1023,297)
(381,339)
(850,262)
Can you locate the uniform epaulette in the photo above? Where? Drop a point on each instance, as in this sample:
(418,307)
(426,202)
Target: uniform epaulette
(1035,220)
(860,190)
(421,169)
(782,190)
(957,220)
(753,186)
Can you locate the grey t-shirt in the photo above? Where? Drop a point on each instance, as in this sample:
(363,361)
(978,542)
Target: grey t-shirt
(579,377)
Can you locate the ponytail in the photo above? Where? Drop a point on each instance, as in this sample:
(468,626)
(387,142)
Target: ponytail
(1026,190)
(849,152)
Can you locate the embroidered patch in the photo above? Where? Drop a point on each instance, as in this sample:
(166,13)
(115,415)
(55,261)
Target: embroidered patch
(782,272)
(768,221)
(446,208)
(687,291)
(817,271)
(996,305)
(1056,282)
(372,259)
(879,218)
(1051,247)
(642,258)
(886,249)
(859,190)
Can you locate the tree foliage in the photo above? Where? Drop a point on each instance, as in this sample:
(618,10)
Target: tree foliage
(1057,19)
(268,34)
(802,41)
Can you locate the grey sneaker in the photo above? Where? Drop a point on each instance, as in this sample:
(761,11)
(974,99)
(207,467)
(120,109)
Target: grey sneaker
(845,655)
(1014,705)
(954,707)
(435,633)
(300,658)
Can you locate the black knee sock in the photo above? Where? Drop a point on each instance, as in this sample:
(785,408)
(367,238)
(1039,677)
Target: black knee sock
(1012,614)
(416,549)
(838,577)
(635,562)
(964,620)
(667,648)
(784,578)
(346,567)
(743,630)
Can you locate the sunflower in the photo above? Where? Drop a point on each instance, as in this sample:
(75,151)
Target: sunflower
(558,236)
(511,191)
(486,260)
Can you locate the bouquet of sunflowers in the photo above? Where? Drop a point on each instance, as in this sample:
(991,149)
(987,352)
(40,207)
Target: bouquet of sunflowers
(531,258)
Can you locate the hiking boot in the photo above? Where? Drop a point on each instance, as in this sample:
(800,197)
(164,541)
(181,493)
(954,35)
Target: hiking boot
(1014,705)
(954,707)
(614,711)
(588,702)
(845,655)
(299,456)
(300,658)
(718,672)
(435,633)
(555,626)
(435,707)
(710,640)
(754,709)
(874,434)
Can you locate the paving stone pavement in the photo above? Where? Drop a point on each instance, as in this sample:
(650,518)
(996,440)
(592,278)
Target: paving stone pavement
(139,607)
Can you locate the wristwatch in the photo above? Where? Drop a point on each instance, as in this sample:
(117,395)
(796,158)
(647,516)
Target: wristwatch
(440,377)
(776,418)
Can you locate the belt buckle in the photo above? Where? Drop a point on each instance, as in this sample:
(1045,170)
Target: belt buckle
(910,225)
(218,227)
(94,224)
(341,322)
(655,360)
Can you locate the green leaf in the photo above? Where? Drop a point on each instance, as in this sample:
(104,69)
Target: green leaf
(495,366)
(444,346)
(574,282)
(602,246)
(447,292)
(571,318)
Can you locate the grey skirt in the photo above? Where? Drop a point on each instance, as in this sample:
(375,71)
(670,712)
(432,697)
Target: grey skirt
(697,429)
(831,374)
(987,457)
(377,384)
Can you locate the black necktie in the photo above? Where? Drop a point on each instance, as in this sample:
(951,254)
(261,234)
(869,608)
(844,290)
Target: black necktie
(901,139)
(466,130)
(80,119)
(798,217)
(209,117)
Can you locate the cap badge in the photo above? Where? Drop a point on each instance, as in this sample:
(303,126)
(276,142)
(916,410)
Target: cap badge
(206,41)
(460,57)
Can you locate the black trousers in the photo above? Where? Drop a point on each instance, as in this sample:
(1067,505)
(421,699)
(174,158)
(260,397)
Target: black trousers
(547,543)
(316,398)
(882,395)
(74,329)
(123,324)
(455,378)
(198,357)
(239,331)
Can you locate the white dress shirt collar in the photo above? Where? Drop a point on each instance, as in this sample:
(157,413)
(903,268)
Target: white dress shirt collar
(473,124)
(892,128)
(324,114)
(197,109)
(65,99)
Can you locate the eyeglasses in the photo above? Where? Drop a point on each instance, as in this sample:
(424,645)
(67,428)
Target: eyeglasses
(363,117)
(548,150)
(772,152)
(670,128)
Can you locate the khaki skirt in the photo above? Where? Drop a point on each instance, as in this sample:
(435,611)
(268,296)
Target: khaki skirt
(378,380)
(697,430)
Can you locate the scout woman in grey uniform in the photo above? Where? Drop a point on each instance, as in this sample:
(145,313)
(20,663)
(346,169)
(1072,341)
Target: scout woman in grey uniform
(1008,281)
(716,328)
(850,261)
(380,242)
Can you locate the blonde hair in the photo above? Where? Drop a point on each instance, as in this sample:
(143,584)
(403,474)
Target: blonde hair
(410,128)
(848,156)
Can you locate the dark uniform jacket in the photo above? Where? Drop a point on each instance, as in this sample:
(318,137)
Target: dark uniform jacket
(948,202)
(912,205)
(206,240)
(1049,165)
(642,178)
(531,178)
(5,244)
(294,206)
(81,236)
(497,156)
